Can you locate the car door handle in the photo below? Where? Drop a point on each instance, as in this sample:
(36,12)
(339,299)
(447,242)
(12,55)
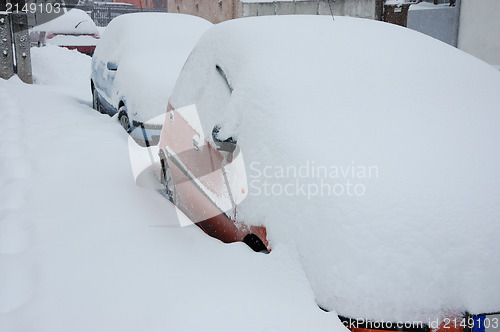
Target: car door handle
(196,142)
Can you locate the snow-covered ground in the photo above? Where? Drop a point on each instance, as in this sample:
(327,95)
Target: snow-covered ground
(82,248)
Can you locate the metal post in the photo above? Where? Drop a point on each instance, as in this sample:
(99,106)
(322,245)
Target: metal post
(22,47)
(14,31)
(6,53)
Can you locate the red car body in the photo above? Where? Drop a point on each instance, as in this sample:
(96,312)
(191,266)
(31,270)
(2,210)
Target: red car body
(86,48)
(197,172)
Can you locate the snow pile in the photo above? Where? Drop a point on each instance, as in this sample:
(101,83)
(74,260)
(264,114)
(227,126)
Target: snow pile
(377,161)
(82,248)
(150,50)
(62,68)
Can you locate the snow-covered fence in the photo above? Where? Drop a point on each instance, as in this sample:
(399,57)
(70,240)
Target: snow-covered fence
(103,13)
(15,45)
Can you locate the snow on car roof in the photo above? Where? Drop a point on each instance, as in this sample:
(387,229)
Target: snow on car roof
(75,21)
(150,50)
(372,147)
(131,34)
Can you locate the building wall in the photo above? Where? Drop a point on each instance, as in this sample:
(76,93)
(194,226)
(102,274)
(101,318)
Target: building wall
(479,32)
(221,10)
(214,11)
(138,3)
(356,8)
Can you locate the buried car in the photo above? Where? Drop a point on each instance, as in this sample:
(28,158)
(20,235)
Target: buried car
(74,30)
(376,162)
(135,66)
(205,178)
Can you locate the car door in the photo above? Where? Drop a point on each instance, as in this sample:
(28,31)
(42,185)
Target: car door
(207,181)
(104,71)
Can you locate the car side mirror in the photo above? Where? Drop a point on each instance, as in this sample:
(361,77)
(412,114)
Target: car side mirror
(113,66)
(227,145)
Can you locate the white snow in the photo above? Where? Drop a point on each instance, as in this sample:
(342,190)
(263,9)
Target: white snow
(399,2)
(83,248)
(67,40)
(428,5)
(73,22)
(60,68)
(395,2)
(150,50)
(409,122)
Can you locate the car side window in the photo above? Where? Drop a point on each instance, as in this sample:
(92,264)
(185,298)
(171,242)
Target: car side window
(223,74)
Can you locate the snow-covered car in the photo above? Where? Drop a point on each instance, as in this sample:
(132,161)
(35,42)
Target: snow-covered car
(136,64)
(376,160)
(73,30)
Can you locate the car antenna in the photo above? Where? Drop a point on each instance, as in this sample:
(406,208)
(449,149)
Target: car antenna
(331,10)
(76,26)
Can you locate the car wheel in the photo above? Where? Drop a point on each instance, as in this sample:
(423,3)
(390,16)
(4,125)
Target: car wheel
(95,101)
(123,117)
(167,181)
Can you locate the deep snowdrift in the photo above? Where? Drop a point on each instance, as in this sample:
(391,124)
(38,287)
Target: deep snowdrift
(411,122)
(82,248)
(62,69)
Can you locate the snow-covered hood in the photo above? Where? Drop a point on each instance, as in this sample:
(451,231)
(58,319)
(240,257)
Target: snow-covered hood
(74,22)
